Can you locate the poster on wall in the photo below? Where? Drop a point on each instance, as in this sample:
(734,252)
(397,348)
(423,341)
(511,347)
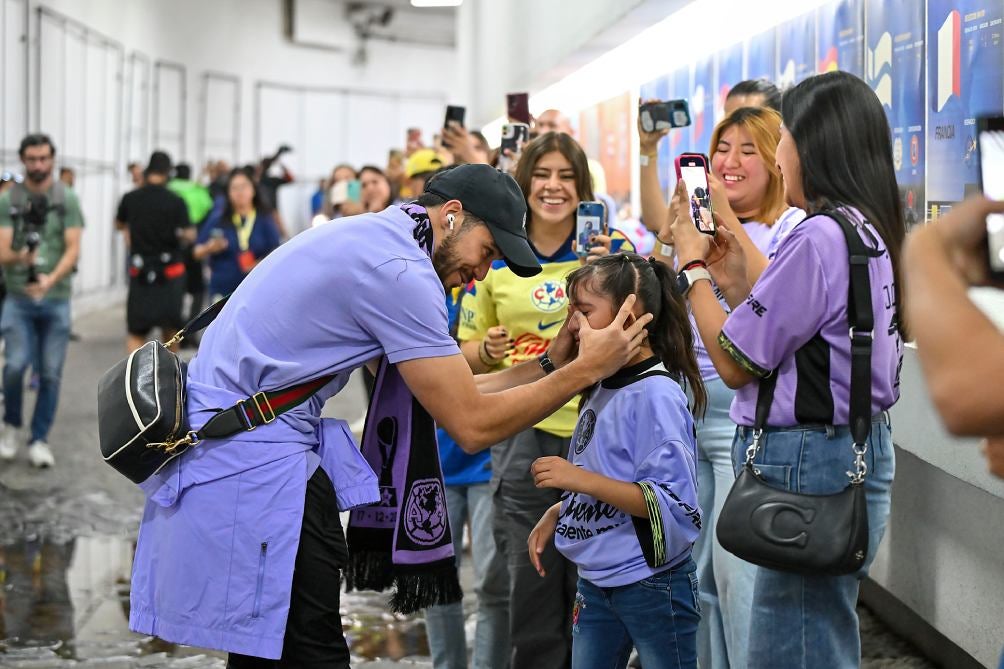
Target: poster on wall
(761,56)
(606,137)
(680,140)
(894,68)
(796,50)
(841,33)
(964,81)
(702,104)
(729,72)
(658,89)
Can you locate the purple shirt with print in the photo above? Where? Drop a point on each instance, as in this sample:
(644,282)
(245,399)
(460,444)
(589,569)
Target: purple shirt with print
(795,319)
(765,237)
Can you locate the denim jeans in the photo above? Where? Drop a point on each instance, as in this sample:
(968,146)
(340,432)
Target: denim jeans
(445,624)
(657,615)
(810,622)
(726,581)
(31,328)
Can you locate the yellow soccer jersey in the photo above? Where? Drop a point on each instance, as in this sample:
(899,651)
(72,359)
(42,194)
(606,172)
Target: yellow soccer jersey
(532,309)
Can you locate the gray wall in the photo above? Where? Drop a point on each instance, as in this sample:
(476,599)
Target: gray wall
(943,553)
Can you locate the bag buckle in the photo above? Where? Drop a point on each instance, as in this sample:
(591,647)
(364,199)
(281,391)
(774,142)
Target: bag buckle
(262,405)
(754,446)
(171,446)
(860,466)
(870,334)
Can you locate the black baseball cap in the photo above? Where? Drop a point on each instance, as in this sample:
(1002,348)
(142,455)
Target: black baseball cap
(160,163)
(495,198)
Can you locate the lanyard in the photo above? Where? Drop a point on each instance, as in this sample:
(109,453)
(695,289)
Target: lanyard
(244,229)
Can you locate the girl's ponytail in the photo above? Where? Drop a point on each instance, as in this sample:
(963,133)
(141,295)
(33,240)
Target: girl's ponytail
(671,336)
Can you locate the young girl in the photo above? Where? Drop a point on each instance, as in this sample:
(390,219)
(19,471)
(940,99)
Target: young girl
(629,516)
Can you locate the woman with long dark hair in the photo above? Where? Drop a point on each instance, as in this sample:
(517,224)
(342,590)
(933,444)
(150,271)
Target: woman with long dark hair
(835,156)
(238,236)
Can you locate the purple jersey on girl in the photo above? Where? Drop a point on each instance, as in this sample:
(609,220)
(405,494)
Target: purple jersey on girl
(764,237)
(795,320)
(635,427)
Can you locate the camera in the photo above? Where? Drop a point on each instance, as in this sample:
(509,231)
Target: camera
(32,220)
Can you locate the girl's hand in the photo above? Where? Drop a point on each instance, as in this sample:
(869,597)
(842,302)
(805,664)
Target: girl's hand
(727,262)
(599,247)
(556,472)
(497,343)
(541,535)
(648,142)
(691,244)
(719,200)
(563,347)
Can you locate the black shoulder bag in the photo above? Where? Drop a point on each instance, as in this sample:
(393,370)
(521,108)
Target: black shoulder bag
(142,421)
(811,534)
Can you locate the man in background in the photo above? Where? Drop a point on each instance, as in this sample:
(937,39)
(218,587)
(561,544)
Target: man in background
(199,204)
(40,229)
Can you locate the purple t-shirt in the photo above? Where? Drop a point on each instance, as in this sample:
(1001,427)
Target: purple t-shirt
(764,237)
(327,301)
(795,320)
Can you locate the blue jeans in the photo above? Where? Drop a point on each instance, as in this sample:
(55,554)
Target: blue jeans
(726,581)
(657,615)
(810,622)
(445,624)
(31,328)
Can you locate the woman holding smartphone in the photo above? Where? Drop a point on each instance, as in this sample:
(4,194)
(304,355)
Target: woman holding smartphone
(236,237)
(835,155)
(506,320)
(748,197)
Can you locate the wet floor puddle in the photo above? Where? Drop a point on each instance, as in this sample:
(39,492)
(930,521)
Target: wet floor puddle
(67,604)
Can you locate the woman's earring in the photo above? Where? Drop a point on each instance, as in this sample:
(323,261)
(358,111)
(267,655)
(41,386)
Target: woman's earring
(449,219)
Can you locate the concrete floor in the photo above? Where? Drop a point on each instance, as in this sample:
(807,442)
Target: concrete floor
(67,535)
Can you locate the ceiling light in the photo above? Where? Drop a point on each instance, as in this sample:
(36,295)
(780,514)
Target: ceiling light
(436,3)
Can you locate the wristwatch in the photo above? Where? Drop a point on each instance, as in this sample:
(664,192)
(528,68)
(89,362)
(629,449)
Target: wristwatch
(686,279)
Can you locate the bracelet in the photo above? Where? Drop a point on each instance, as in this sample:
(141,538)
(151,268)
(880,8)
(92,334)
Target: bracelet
(667,250)
(546,363)
(645,159)
(486,360)
(662,241)
(694,263)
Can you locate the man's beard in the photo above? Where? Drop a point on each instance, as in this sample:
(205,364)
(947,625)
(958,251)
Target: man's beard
(38,176)
(445,259)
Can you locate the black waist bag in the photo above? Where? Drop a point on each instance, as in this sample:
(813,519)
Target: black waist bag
(141,412)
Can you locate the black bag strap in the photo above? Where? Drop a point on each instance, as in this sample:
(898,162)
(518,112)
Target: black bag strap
(861,325)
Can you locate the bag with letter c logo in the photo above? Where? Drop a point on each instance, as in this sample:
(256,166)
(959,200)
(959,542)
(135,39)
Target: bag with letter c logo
(818,535)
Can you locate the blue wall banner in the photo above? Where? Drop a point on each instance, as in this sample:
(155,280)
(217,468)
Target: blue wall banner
(894,68)
(761,55)
(840,35)
(796,50)
(964,80)
(729,72)
(702,101)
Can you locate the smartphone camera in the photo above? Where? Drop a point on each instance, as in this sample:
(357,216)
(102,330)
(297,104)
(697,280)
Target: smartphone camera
(991,153)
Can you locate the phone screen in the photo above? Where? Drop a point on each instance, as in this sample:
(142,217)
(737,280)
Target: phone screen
(588,224)
(992,175)
(518,107)
(700,197)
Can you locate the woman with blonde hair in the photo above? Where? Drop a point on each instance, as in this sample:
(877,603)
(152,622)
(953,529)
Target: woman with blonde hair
(747,195)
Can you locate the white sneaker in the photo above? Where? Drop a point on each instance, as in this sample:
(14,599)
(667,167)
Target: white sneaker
(8,443)
(39,454)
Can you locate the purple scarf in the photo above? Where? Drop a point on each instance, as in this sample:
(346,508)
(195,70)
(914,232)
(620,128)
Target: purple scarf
(403,541)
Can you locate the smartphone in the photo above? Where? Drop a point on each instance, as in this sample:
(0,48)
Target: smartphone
(518,107)
(693,169)
(354,190)
(664,115)
(589,222)
(454,115)
(514,136)
(990,137)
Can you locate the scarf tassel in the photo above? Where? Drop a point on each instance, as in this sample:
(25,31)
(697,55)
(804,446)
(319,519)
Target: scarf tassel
(414,589)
